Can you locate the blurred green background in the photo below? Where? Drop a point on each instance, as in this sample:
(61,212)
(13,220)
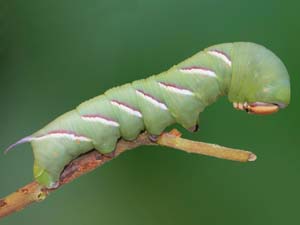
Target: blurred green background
(58,53)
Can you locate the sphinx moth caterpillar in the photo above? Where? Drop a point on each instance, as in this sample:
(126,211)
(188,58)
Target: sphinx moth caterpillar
(253,77)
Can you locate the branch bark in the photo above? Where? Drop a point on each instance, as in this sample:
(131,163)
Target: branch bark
(34,192)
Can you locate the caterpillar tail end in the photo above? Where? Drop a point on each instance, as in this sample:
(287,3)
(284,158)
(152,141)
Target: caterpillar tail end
(22,141)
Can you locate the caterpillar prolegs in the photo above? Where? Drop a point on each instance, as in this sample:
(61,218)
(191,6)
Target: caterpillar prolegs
(254,79)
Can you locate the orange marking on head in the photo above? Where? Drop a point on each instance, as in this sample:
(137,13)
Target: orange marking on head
(263,109)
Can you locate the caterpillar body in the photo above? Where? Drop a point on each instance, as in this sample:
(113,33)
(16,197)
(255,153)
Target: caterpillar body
(254,79)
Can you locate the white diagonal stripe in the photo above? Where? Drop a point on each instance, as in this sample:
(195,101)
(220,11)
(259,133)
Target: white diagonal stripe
(221,56)
(198,70)
(175,89)
(152,100)
(62,135)
(126,109)
(102,120)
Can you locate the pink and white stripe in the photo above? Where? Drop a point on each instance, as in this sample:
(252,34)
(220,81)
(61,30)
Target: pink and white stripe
(152,100)
(198,70)
(53,134)
(126,108)
(220,55)
(100,119)
(175,89)
(62,134)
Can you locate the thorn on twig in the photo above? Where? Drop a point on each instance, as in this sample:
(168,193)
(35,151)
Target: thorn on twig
(174,132)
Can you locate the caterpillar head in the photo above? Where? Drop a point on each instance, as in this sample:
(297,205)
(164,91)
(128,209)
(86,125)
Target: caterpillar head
(260,82)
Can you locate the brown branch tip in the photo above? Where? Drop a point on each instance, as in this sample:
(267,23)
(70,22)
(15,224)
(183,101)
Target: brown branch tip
(34,192)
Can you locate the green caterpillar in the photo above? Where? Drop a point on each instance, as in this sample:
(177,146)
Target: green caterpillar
(254,79)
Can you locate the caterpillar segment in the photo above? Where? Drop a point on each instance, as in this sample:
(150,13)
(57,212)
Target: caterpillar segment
(174,96)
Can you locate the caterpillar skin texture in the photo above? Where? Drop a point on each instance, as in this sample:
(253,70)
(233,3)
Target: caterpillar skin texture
(254,79)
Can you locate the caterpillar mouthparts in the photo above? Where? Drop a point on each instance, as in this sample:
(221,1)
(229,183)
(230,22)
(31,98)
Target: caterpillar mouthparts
(260,108)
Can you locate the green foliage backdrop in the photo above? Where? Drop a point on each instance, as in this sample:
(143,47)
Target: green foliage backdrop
(55,54)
